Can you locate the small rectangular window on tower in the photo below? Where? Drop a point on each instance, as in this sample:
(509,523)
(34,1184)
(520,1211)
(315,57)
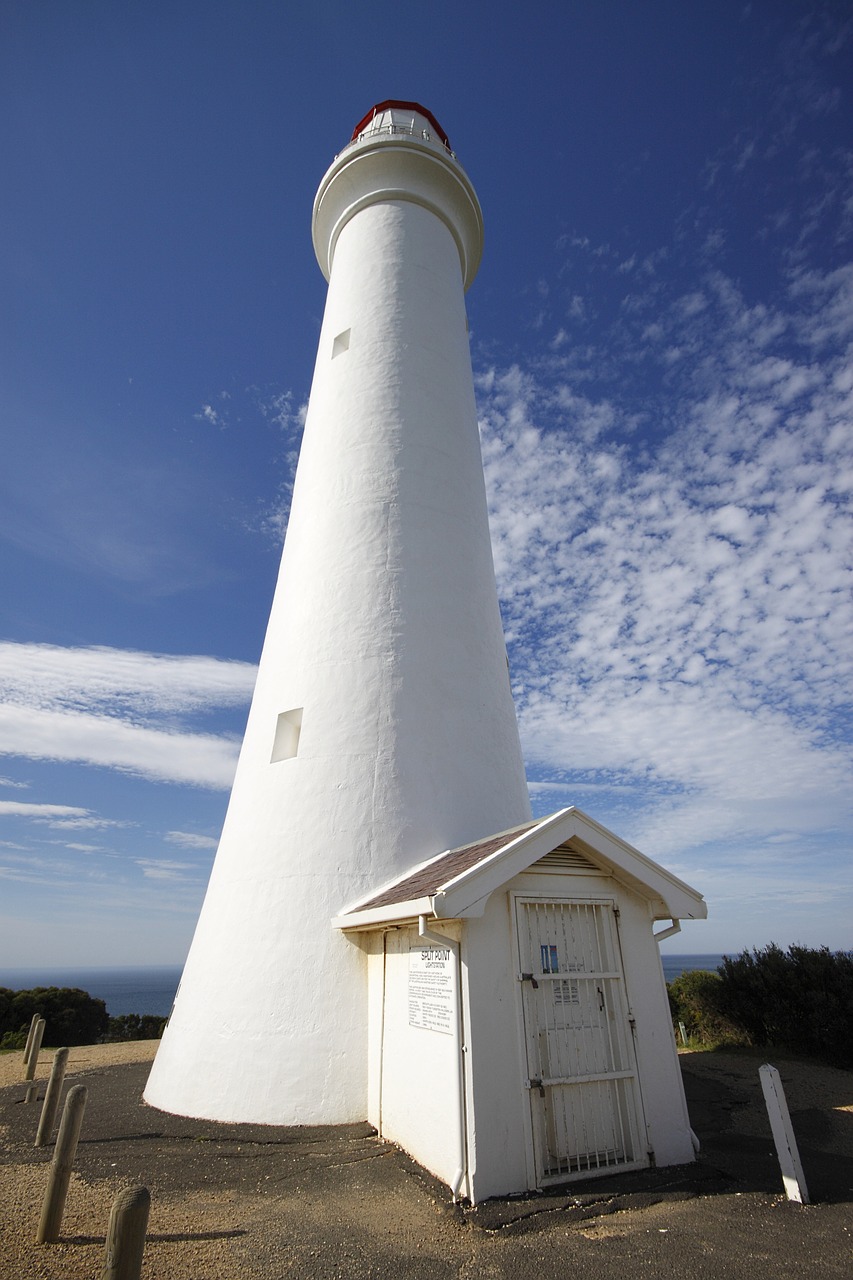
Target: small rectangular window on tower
(341,343)
(287,730)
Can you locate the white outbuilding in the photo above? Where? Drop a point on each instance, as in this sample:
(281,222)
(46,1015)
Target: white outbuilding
(518,1025)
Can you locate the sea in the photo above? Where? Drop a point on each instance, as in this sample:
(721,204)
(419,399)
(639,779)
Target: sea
(123,990)
(152,989)
(674,966)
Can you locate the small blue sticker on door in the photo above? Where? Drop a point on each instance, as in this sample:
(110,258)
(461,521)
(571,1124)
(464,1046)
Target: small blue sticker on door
(550,963)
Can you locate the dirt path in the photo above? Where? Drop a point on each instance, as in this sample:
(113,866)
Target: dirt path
(261,1203)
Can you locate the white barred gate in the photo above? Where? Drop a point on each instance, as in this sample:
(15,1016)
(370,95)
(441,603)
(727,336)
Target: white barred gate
(585,1101)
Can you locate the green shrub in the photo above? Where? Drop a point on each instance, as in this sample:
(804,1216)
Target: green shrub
(135,1026)
(694,999)
(800,999)
(13,1040)
(71,1016)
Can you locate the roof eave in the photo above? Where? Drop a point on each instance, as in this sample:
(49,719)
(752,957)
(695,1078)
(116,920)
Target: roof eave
(375,917)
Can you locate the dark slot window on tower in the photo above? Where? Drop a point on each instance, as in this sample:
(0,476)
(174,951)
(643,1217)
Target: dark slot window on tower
(341,343)
(287,730)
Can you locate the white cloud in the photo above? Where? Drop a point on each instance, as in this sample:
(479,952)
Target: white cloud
(209,414)
(189,840)
(202,760)
(679,611)
(117,709)
(41,812)
(59,817)
(46,675)
(162,869)
(58,876)
(90,823)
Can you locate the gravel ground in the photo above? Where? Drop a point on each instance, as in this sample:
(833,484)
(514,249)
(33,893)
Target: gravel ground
(241,1201)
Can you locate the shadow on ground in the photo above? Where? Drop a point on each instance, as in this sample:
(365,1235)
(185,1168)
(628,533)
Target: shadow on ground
(330,1201)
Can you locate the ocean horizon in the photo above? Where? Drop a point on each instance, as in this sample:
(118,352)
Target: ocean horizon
(152,988)
(123,989)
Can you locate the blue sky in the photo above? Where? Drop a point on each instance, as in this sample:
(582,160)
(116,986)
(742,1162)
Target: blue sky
(661,334)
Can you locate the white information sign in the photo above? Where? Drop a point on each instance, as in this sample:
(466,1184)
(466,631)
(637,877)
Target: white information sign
(432,988)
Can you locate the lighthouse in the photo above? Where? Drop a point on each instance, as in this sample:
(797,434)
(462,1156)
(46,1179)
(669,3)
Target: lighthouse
(387,933)
(382,730)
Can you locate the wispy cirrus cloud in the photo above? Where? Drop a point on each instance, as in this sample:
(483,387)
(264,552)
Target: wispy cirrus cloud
(42,812)
(189,840)
(164,869)
(120,709)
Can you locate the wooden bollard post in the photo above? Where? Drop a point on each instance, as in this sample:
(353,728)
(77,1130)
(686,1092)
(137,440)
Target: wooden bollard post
(51,1097)
(30,1035)
(35,1049)
(32,1091)
(126,1234)
(61,1165)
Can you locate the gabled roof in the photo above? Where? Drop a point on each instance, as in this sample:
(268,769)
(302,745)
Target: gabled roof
(458,883)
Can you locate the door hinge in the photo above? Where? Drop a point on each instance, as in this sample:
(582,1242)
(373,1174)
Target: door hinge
(528,977)
(537,1084)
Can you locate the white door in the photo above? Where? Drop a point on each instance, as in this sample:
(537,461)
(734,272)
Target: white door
(582,1072)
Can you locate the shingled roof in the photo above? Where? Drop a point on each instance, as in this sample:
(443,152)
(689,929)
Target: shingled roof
(431,876)
(458,882)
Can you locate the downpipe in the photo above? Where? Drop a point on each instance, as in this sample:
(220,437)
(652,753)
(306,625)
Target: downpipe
(669,932)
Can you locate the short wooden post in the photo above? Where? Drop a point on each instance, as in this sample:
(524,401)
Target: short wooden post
(60,1169)
(32,1090)
(35,1049)
(683,1030)
(783,1134)
(51,1097)
(30,1035)
(126,1234)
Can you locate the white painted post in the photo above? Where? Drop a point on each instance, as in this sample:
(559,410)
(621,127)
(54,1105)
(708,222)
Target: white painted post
(783,1134)
(51,1097)
(35,1049)
(683,1030)
(30,1035)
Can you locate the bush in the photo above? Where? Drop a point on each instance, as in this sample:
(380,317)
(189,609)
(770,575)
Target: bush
(135,1026)
(800,999)
(71,1016)
(694,999)
(13,1040)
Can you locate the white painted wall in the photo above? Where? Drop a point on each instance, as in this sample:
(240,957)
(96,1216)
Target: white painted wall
(415,1070)
(657,1057)
(385,631)
(499,1126)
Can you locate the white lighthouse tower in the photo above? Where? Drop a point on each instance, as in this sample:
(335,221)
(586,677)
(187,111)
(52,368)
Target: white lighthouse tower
(382,729)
